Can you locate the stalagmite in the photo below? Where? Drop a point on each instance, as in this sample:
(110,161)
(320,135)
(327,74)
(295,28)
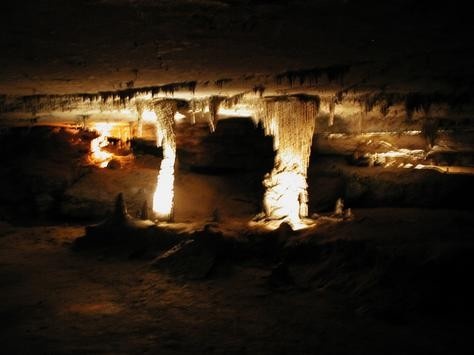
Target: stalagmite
(291,121)
(120,209)
(165,137)
(339,208)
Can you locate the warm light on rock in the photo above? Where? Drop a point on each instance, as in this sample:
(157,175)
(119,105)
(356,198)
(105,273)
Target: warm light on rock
(165,137)
(149,116)
(98,155)
(163,196)
(291,123)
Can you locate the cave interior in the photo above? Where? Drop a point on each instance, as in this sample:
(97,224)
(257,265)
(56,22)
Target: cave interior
(236,176)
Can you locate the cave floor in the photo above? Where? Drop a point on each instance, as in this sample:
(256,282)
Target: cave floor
(54,300)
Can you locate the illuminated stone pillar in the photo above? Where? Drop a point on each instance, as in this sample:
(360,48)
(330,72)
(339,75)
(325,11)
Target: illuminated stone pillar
(291,121)
(165,137)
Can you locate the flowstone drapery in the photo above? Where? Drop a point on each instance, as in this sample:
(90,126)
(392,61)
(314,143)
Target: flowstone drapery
(291,121)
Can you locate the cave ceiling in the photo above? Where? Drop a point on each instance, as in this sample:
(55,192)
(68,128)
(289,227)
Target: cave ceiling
(224,47)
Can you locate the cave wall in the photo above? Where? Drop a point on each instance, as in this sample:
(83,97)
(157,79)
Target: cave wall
(45,174)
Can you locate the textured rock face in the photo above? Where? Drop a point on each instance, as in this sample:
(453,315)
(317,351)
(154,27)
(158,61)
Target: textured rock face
(371,66)
(43,174)
(218,176)
(76,46)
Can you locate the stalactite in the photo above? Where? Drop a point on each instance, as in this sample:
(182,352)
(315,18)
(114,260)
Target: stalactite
(230,102)
(312,76)
(106,96)
(416,102)
(214,104)
(104,99)
(191,86)
(125,96)
(169,89)
(46,103)
(332,111)
(291,121)
(337,73)
(385,106)
(259,89)
(302,76)
(198,108)
(368,102)
(221,82)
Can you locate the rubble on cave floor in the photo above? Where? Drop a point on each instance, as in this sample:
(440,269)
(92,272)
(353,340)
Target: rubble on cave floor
(382,270)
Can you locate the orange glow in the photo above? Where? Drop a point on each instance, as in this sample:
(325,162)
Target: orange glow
(99,156)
